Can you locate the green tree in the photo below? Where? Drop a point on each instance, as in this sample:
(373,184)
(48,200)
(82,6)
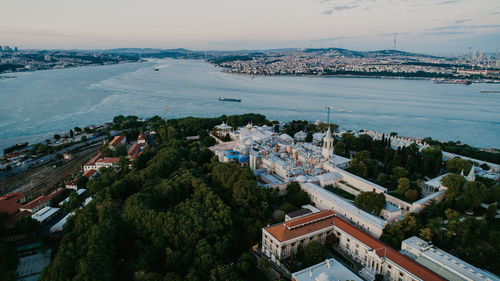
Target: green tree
(411,195)
(339,148)
(309,137)
(403,186)
(400,172)
(8,262)
(81,182)
(474,193)
(57,137)
(456,165)
(371,202)
(491,213)
(314,253)
(454,184)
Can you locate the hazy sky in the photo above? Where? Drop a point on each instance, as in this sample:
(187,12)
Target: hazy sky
(434,26)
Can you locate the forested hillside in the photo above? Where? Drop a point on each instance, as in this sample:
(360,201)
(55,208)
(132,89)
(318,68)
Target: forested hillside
(178,214)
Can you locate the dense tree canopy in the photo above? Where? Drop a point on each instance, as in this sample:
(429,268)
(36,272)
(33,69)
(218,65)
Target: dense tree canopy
(371,202)
(178,214)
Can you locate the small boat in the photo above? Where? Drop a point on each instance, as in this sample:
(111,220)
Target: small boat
(157,69)
(490,91)
(229,99)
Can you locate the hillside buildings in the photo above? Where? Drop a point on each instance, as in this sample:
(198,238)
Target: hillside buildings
(282,240)
(278,159)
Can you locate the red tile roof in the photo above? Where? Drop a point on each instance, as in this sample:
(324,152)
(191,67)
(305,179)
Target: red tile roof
(108,160)
(9,202)
(141,137)
(301,226)
(383,249)
(94,159)
(10,222)
(134,150)
(41,199)
(117,140)
(89,173)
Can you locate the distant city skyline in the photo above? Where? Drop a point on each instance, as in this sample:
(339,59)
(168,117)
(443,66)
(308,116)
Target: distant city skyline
(442,26)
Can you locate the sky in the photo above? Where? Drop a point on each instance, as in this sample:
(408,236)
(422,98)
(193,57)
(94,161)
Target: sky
(429,26)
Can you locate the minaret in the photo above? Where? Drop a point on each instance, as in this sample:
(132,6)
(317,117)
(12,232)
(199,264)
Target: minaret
(327,150)
(472,175)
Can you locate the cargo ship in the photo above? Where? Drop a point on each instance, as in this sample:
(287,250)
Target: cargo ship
(229,99)
(444,81)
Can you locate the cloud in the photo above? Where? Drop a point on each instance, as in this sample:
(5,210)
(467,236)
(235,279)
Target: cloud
(462,21)
(392,34)
(335,38)
(462,26)
(43,33)
(449,32)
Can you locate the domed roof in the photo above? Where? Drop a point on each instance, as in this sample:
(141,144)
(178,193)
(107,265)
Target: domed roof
(301,178)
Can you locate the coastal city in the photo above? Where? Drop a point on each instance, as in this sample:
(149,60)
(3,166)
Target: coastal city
(318,197)
(324,140)
(474,66)
(16,60)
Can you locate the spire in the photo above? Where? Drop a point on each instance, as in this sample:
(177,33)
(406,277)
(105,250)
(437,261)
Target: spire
(328,135)
(472,175)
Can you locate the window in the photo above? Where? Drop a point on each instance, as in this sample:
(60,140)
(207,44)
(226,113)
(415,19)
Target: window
(389,266)
(400,273)
(311,238)
(348,240)
(293,244)
(319,236)
(357,245)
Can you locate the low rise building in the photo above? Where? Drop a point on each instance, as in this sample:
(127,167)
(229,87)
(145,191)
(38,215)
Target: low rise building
(282,240)
(45,215)
(377,257)
(41,202)
(117,140)
(441,262)
(326,200)
(328,270)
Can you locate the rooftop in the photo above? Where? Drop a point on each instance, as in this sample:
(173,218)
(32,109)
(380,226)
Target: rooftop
(382,250)
(42,199)
(44,213)
(301,226)
(344,204)
(330,269)
(116,140)
(9,202)
(437,259)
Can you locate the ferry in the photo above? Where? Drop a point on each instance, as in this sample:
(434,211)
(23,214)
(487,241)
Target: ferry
(445,81)
(229,99)
(490,91)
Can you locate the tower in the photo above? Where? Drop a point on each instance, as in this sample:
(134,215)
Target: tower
(472,175)
(327,149)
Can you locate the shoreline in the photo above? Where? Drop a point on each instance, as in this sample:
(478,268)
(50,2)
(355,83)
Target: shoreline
(222,69)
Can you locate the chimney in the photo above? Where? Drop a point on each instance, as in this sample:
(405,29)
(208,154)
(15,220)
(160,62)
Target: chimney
(328,264)
(310,273)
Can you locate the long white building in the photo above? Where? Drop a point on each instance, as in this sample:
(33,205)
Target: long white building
(326,200)
(444,264)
